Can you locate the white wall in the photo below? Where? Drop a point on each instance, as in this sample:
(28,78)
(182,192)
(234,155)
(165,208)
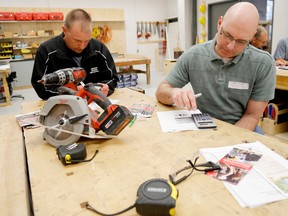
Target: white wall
(134,10)
(280,26)
(280,29)
(150,10)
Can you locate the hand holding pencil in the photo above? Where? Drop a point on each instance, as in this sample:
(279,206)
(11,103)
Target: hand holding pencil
(185,98)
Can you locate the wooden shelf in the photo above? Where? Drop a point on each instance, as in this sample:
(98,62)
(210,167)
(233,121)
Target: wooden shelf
(28,37)
(114,18)
(18,48)
(149,41)
(30,21)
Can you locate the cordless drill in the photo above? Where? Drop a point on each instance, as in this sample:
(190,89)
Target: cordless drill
(69,77)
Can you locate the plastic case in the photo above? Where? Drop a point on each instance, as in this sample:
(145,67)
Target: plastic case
(23,16)
(55,16)
(40,16)
(6,16)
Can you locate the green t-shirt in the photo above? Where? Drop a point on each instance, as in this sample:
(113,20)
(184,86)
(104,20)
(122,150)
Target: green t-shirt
(226,87)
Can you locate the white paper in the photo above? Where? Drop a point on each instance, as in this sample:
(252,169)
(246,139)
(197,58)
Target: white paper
(258,186)
(177,120)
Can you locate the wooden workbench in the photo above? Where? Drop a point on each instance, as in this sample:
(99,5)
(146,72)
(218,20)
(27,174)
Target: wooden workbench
(130,60)
(5,71)
(14,196)
(281,79)
(139,153)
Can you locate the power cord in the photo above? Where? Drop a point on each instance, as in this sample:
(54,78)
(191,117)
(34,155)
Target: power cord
(89,207)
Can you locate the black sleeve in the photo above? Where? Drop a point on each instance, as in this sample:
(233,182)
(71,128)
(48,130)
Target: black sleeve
(38,72)
(113,84)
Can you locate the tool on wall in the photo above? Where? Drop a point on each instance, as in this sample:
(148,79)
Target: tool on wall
(103,34)
(139,34)
(67,117)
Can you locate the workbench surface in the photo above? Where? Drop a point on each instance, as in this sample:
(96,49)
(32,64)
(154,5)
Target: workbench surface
(139,153)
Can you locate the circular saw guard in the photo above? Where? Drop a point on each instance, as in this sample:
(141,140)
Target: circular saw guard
(65,117)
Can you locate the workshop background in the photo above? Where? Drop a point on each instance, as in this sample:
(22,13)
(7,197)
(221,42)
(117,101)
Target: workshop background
(179,33)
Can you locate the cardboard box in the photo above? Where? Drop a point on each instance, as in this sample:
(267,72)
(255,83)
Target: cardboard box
(27,56)
(31,33)
(40,33)
(8,34)
(49,33)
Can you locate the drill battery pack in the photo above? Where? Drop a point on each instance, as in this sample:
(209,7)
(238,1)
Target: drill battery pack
(115,121)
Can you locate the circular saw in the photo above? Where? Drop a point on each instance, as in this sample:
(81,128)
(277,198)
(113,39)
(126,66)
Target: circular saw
(67,117)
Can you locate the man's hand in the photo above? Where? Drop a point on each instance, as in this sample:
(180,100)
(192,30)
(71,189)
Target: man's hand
(104,88)
(169,95)
(184,98)
(280,62)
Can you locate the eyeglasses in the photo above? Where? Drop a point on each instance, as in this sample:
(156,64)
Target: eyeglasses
(263,42)
(179,175)
(229,38)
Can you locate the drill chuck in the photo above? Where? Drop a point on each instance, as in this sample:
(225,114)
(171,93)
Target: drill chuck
(64,76)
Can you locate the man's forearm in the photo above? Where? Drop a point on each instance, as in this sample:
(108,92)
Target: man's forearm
(247,121)
(164,94)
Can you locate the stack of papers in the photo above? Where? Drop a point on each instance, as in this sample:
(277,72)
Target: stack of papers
(142,110)
(177,120)
(24,119)
(266,182)
(283,67)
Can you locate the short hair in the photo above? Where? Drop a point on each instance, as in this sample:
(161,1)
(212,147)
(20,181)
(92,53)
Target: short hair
(260,29)
(77,15)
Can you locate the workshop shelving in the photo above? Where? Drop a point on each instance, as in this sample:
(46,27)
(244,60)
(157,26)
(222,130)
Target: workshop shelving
(26,35)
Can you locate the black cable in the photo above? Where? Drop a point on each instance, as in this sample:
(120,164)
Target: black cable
(88,206)
(77,161)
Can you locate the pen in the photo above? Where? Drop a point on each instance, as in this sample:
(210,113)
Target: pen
(197,95)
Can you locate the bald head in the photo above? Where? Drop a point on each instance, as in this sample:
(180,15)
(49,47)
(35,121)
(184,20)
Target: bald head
(243,17)
(236,29)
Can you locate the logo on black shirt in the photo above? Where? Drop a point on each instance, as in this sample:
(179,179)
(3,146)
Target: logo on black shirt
(94,70)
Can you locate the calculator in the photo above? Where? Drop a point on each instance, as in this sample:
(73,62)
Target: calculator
(203,120)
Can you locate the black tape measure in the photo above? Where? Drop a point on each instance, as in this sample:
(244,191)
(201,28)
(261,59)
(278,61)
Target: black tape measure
(73,153)
(156,197)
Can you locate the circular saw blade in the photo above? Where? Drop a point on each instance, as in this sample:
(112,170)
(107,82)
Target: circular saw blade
(59,118)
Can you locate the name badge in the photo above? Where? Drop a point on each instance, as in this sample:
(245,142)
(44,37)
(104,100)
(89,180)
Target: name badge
(238,85)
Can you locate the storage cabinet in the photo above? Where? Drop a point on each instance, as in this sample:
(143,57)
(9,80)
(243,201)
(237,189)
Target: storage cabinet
(6,49)
(26,34)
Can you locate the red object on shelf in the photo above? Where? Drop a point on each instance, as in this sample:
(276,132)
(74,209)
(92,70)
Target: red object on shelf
(23,16)
(40,16)
(6,16)
(55,16)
